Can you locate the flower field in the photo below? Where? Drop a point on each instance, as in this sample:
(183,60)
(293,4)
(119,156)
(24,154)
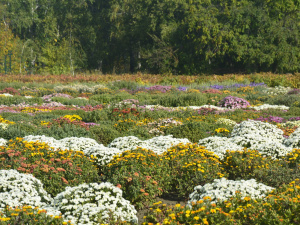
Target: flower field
(150,150)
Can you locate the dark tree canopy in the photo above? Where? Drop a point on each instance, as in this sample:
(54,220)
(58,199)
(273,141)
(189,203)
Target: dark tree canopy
(153,36)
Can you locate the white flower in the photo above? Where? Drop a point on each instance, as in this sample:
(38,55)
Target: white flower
(85,203)
(294,139)
(267,106)
(158,144)
(18,189)
(223,189)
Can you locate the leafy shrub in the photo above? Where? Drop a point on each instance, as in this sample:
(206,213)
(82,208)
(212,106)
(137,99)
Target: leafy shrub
(15,100)
(287,100)
(17,130)
(191,165)
(183,99)
(55,169)
(194,131)
(241,164)
(123,84)
(140,174)
(95,116)
(67,101)
(104,134)
(277,174)
(63,131)
(108,98)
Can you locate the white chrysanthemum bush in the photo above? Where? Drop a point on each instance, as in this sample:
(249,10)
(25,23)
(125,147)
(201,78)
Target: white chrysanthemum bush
(17,189)
(222,189)
(93,203)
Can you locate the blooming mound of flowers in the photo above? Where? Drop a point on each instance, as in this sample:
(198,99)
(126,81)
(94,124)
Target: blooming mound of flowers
(101,155)
(222,189)
(3,142)
(93,202)
(225,121)
(264,137)
(19,189)
(158,144)
(232,102)
(219,145)
(251,134)
(267,106)
(74,143)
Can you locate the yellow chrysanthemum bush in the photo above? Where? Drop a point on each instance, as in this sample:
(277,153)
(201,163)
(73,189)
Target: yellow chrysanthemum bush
(29,215)
(141,174)
(241,164)
(191,165)
(55,169)
(250,164)
(281,206)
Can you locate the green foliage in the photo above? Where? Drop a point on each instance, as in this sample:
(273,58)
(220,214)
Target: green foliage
(17,130)
(95,116)
(123,84)
(191,165)
(179,37)
(242,164)
(63,131)
(18,100)
(188,99)
(288,100)
(104,134)
(67,101)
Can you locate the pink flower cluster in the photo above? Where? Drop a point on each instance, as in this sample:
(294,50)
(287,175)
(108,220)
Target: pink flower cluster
(232,102)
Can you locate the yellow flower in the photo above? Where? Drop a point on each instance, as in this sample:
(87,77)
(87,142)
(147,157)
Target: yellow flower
(196,218)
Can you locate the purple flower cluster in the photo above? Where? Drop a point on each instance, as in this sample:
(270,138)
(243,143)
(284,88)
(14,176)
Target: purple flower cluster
(181,88)
(294,118)
(274,119)
(220,87)
(47,98)
(232,102)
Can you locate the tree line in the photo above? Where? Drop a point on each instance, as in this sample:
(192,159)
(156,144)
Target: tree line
(152,36)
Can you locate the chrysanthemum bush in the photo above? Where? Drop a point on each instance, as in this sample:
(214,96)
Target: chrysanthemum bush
(222,189)
(251,133)
(280,206)
(157,144)
(140,173)
(250,164)
(219,145)
(191,165)
(19,189)
(233,102)
(29,215)
(241,164)
(70,143)
(94,203)
(55,169)
(225,121)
